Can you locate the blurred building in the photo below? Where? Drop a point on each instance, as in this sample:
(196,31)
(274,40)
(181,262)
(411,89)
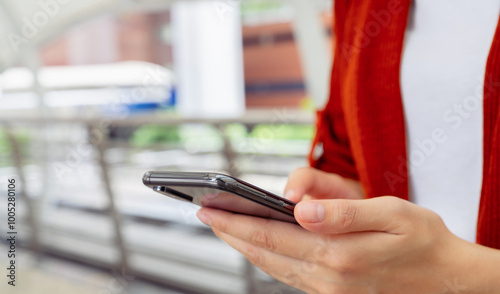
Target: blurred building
(273,71)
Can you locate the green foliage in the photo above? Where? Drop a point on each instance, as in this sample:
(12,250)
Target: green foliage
(283,132)
(208,135)
(21,136)
(259,6)
(236,131)
(23,139)
(151,134)
(4,143)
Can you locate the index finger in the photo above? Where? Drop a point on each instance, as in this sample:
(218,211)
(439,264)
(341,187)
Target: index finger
(291,240)
(277,236)
(318,184)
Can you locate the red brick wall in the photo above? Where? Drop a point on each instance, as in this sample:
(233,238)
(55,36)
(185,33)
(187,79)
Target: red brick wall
(272,57)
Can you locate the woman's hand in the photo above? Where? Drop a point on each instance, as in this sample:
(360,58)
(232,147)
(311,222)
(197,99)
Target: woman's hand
(380,245)
(308,183)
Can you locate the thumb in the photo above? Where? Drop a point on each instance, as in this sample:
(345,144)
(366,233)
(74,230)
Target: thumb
(338,216)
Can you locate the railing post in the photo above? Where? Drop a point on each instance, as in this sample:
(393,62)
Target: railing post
(17,160)
(112,209)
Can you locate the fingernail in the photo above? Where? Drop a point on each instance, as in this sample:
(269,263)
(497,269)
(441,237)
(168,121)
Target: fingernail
(312,212)
(289,194)
(204,218)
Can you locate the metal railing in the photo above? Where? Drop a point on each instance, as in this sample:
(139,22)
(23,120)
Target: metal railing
(101,144)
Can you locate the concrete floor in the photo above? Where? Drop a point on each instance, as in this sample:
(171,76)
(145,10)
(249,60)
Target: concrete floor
(58,276)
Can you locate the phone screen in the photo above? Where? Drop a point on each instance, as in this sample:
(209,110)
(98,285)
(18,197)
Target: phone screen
(218,199)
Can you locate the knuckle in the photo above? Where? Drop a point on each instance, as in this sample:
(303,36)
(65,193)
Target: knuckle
(345,215)
(399,206)
(400,214)
(434,220)
(433,226)
(346,263)
(322,251)
(264,240)
(343,264)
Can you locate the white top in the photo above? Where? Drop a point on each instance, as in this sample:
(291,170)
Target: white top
(443,67)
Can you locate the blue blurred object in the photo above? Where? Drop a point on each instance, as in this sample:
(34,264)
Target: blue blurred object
(173,97)
(142,107)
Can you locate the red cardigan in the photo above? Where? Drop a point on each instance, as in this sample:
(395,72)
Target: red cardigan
(362,128)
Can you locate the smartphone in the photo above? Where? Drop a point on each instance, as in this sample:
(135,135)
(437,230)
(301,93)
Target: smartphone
(220,191)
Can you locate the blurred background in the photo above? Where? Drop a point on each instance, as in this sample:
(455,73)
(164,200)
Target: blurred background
(95,93)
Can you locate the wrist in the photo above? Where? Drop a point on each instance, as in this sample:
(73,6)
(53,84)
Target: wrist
(477,271)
